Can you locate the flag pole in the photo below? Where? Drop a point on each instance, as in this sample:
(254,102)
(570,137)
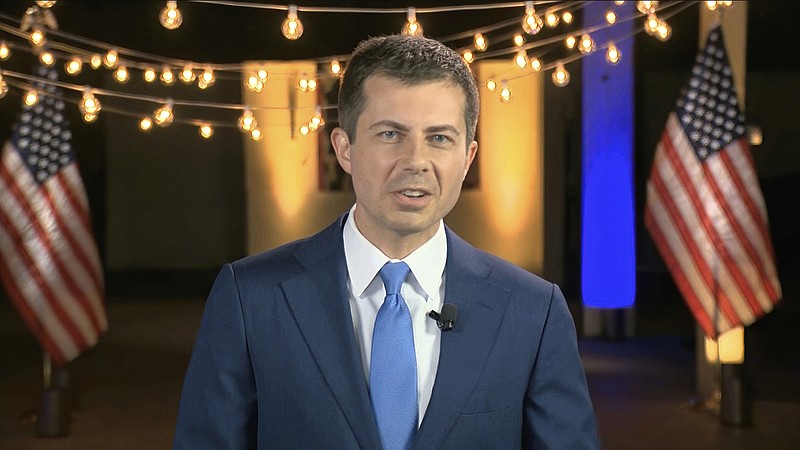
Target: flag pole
(54,411)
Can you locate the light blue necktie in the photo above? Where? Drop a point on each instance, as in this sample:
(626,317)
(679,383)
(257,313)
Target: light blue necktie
(393,366)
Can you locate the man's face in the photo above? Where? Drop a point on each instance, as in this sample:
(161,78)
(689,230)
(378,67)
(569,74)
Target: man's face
(408,161)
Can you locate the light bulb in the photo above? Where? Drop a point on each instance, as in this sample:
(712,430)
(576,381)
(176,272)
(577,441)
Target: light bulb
(187,74)
(89,118)
(468,56)
(531,23)
(651,25)
(254,84)
(304,130)
(505,93)
(121,74)
(587,44)
(206,79)
(412,27)
(73,66)
(47,58)
(312,85)
(5,52)
(491,85)
(262,75)
(149,75)
(317,120)
(247,121)
(570,42)
(96,61)
(647,7)
(206,130)
(560,76)
(519,40)
(89,104)
(37,37)
(291,27)
(551,18)
(167,77)
(536,64)
(31,97)
(663,31)
(612,53)
(170,17)
(712,5)
(256,134)
(521,59)
(335,68)
(567,17)
(611,17)
(111,59)
(146,124)
(163,116)
(480,42)
(3,87)
(45,3)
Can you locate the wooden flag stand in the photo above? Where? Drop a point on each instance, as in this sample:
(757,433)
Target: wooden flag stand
(55,409)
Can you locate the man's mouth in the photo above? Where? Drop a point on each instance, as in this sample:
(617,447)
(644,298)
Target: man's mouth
(413,193)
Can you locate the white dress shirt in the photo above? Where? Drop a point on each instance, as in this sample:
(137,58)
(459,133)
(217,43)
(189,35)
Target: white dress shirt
(423,292)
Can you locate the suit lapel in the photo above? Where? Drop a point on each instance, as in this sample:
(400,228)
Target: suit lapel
(465,348)
(318,298)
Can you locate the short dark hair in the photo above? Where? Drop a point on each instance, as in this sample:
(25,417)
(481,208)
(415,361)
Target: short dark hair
(411,60)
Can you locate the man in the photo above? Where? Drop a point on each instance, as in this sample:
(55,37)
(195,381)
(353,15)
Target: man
(293,350)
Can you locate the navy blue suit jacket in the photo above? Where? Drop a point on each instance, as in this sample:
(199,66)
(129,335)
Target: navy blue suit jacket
(276,366)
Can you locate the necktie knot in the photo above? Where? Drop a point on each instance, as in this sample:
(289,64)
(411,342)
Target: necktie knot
(393,276)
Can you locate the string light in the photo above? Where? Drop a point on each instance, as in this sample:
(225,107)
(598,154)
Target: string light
(646,7)
(187,74)
(491,85)
(31,97)
(611,17)
(3,87)
(96,61)
(291,27)
(480,42)
(111,59)
(551,18)
(149,75)
(663,30)
(45,4)
(37,37)
(613,54)
(163,116)
(206,79)
(570,42)
(567,17)
(519,41)
(521,59)
(505,92)
(587,44)
(531,23)
(73,66)
(256,134)
(560,76)
(170,17)
(5,52)
(89,118)
(306,84)
(335,68)
(167,77)
(205,130)
(651,25)
(257,80)
(47,58)
(247,121)
(468,56)
(536,64)
(145,124)
(412,27)
(304,130)
(121,74)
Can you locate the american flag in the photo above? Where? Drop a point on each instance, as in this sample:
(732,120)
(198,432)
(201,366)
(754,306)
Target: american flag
(49,262)
(705,211)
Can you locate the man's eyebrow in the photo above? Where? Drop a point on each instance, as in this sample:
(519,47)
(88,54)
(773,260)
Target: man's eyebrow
(390,124)
(440,128)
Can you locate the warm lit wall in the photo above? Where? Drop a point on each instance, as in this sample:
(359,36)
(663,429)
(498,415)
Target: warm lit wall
(503,216)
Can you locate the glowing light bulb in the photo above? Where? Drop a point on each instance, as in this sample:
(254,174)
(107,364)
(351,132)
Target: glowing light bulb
(304,130)
(651,25)
(312,85)
(412,27)
(551,18)
(291,27)
(187,74)
(256,134)
(335,68)
(521,59)
(167,77)
(711,5)
(96,61)
(570,42)
(73,66)
(468,56)
(149,75)
(31,97)
(5,52)
(560,76)
(536,64)
(170,17)
(567,17)
(491,85)
(519,40)
(531,23)
(206,79)
(45,4)
(89,104)
(613,54)
(646,7)
(37,37)
(3,87)
(111,59)
(480,42)
(47,58)
(254,84)
(206,130)
(505,93)
(247,121)
(89,118)
(146,124)
(619,2)
(611,17)
(317,121)
(587,44)
(163,116)
(121,74)
(663,31)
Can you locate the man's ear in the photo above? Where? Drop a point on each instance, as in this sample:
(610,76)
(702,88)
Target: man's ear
(471,151)
(341,145)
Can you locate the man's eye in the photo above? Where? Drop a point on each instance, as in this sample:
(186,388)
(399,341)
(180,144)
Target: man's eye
(389,134)
(440,139)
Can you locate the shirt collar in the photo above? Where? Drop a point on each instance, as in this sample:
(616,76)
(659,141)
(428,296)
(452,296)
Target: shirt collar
(364,260)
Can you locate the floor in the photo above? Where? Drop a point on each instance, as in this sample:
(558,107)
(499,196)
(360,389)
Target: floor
(126,389)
